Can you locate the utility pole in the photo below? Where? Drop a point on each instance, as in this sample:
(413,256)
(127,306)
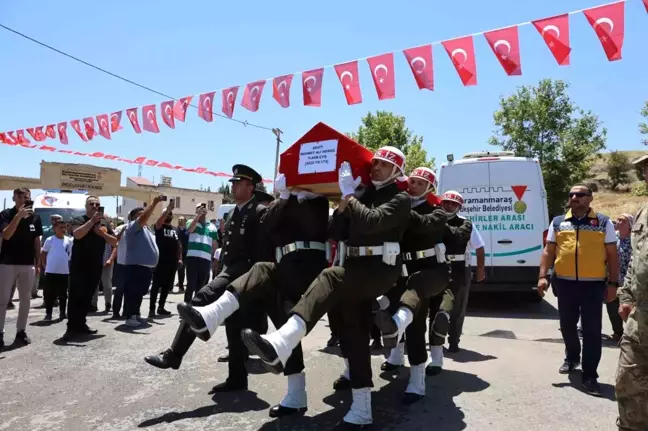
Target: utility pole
(277,133)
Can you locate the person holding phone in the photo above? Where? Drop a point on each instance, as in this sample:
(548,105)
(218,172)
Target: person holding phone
(19,259)
(203,242)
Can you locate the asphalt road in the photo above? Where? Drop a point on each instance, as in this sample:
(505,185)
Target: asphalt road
(504,379)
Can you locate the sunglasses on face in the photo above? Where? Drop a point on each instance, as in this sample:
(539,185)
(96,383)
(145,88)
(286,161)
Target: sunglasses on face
(94,204)
(578,195)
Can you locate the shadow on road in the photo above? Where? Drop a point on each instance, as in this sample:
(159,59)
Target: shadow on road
(133,329)
(234,402)
(509,305)
(575,380)
(77,340)
(465,355)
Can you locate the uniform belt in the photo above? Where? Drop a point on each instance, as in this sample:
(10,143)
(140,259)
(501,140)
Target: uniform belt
(303,245)
(456,257)
(422,254)
(368,250)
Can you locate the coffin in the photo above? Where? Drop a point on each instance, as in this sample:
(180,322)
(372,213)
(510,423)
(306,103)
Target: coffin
(313,161)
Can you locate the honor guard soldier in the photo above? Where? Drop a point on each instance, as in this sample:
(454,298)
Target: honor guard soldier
(425,274)
(370,265)
(239,252)
(447,311)
(298,224)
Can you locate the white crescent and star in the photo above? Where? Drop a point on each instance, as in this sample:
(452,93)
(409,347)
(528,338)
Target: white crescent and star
(419,60)
(553,28)
(103,124)
(350,75)
(113,117)
(168,110)
(380,67)
(314,79)
(206,103)
(252,91)
(151,116)
(505,43)
(282,84)
(460,51)
(61,129)
(604,20)
(133,116)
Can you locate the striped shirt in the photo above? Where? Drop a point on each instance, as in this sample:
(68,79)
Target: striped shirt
(201,240)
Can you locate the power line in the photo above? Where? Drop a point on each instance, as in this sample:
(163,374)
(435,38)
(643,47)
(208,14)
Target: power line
(114,75)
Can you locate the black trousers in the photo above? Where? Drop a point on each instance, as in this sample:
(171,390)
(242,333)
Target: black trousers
(198,270)
(354,286)
(56,287)
(581,299)
(83,283)
(163,279)
(181,272)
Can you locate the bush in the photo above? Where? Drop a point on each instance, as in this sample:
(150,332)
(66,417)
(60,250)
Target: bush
(639,189)
(618,169)
(593,187)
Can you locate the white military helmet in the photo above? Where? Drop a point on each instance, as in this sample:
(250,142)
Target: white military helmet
(425,174)
(390,155)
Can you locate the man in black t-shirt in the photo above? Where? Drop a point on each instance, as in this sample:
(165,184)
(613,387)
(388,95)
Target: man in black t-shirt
(19,259)
(170,247)
(91,233)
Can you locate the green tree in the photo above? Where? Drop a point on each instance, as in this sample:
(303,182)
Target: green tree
(618,169)
(224,189)
(386,128)
(542,122)
(643,127)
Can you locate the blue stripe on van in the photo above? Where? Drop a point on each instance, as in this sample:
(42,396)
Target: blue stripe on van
(511,253)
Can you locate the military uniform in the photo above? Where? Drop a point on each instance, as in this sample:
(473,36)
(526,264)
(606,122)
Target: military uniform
(239,252)
(632,371)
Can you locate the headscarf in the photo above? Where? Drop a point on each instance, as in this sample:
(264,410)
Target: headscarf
(630,219)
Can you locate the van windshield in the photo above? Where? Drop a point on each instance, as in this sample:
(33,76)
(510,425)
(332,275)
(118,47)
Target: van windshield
(68,214)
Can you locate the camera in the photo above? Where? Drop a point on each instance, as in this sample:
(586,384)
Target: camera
(29,203)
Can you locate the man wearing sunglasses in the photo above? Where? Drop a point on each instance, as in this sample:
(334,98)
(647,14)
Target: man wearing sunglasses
(581,246)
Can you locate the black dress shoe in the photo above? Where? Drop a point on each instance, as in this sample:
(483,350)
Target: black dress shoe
(164,360)
(342,384)
(87,331)
(568,367)
(280,411)
(454,348)
(388,327)
(259,346)
(388,366)
(591,386)
(432,370)
(10,305)
(223,358)
(22,338)
(190,315)
(230,386)
(409,398)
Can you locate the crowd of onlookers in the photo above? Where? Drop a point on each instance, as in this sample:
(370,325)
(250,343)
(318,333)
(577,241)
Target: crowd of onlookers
(74,260)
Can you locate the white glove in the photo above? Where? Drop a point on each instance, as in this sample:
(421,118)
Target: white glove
(346,181)
(280,186)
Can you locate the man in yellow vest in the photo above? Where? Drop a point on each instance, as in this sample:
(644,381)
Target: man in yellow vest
(581,246)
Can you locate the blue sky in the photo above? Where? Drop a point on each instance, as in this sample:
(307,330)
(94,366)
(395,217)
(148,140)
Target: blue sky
(183,48)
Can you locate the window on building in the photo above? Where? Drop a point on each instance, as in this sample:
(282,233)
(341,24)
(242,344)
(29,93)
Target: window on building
(210,205)
(177,202)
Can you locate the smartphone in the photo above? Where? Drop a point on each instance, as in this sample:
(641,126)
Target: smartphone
(101,210)
(164,198)
(203,206)
(29,203)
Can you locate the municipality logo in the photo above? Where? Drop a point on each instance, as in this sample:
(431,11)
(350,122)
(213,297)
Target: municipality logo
(520,206)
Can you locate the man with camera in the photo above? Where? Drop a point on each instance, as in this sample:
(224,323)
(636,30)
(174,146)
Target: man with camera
(203,242)
(19,258)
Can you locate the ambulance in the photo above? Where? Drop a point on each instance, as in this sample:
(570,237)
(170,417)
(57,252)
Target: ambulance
(67,205)
(505,198)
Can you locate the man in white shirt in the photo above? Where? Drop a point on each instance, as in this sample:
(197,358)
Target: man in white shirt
(55,257)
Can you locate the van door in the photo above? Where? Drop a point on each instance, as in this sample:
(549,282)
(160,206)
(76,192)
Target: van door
(518,219)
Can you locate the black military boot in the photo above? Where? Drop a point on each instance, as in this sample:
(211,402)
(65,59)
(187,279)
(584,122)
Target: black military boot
(172,357)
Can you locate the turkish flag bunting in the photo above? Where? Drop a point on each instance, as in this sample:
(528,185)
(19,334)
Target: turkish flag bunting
(62,132)
(608,23)
(420,61)
(149,119)
(180,108)
(132,116)
(11,138)
(505,44)
(21,137)
(3,138)
(115,121)
(89,127)
(206,106)
(252,95)
(555,32)
(229,99)
(166,110)
(312,87)
(462,55)
(37,133)
(349,78)
(281,90)
(50,131)
(646,4)
(103,122)
(76,125)
(382,72)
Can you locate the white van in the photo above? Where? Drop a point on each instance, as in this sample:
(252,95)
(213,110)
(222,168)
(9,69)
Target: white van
(223,209)
(67,205)
(505,198)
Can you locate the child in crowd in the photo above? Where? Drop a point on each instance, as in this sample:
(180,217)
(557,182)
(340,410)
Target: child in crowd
(55,257)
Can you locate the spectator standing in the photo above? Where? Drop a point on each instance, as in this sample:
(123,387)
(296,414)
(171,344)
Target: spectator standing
(19,259)
(624,250)
(184,240)
(119,257)
(168,242)
(56,254)
(582,247)
(91,233)
(105,284)
(38,282)
(142,257)
(203,242)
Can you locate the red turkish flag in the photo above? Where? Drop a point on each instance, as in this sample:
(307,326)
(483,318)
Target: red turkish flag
(62,132)
(149,119)
(37,133)
(180,108)
(115,121)
(76,125)
(420,61)
(21,137)
(349,78)
(50,131)
(132,116)
(206,106)
(252,95)
(555,32)
(3,138)
(281,90)
(505,44)
(166,110)
(646,4)
(312,87)
(88,123)
(382,72)
(608,23)
(103,122)
(229,100)
(11,138)
(462,55)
